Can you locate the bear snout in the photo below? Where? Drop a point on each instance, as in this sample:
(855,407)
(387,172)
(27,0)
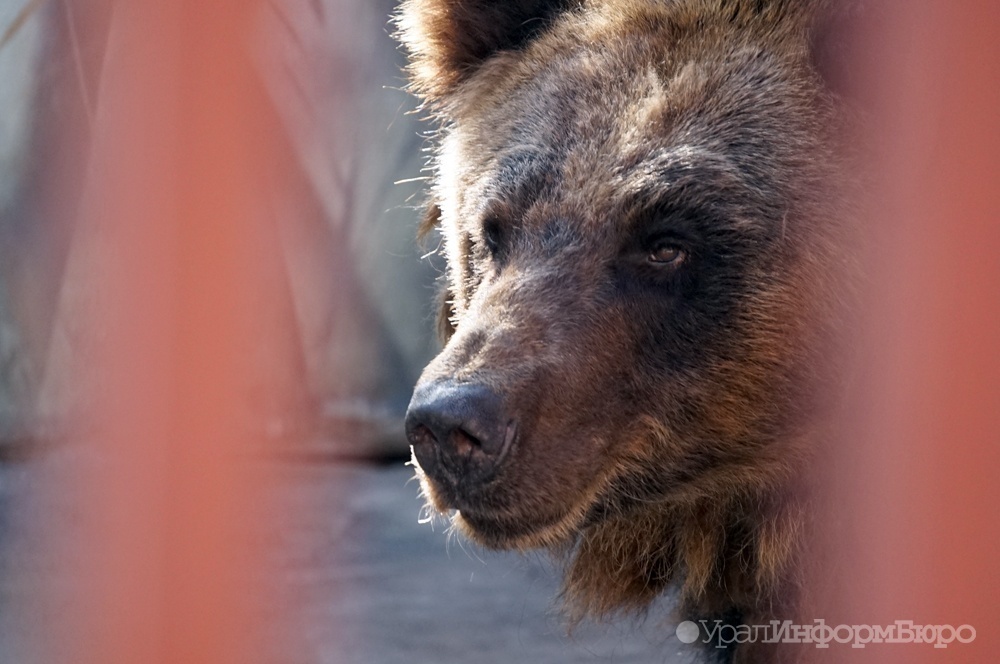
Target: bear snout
(460,432)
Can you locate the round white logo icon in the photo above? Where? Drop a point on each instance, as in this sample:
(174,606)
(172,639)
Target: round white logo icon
(687,632)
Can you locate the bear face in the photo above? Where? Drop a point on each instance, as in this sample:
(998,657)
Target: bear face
(641,215)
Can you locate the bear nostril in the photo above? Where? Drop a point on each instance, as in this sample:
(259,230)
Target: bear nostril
(464,443)
(419,433)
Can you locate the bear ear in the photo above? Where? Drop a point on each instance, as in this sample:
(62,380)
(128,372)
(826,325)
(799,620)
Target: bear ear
(448,39)
(430,220)
(445,314)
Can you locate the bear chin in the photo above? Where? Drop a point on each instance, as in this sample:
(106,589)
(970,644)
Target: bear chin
(515,528)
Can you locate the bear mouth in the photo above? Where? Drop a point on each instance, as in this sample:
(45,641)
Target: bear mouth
(503,532)
(494,517)
(522,532)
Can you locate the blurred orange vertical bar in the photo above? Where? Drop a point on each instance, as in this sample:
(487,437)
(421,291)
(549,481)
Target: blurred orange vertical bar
(959,492)
(221,290)
(179,154)
(926,490)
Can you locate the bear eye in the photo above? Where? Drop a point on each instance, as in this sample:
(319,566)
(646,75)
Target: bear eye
(666,255)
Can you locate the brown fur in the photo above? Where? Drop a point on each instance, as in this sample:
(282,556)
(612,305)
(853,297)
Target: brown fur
(665,414)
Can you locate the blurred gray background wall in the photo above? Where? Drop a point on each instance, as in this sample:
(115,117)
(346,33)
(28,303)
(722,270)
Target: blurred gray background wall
(360,292)
(19,60)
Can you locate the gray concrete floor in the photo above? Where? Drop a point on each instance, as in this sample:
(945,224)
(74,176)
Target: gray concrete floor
(351,577)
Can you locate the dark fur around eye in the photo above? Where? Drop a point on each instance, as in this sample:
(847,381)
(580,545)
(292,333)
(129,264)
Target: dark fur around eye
(492,235)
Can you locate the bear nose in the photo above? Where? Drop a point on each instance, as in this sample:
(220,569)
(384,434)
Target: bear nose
(459,426)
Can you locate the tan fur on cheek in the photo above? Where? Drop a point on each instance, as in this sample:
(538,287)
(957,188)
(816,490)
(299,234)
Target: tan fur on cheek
(778,547)
(619,567)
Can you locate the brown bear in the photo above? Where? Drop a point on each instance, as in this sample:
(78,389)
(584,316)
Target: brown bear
(643,211)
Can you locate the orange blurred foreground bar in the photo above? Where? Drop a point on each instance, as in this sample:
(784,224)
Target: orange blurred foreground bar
(922,489)
(179,157)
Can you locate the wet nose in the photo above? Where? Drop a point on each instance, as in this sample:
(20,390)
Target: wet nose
(459,431)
